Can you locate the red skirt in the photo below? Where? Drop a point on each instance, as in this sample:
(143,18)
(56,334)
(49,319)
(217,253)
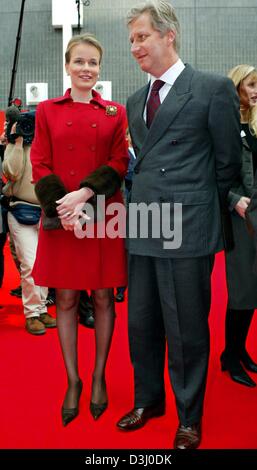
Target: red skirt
(63,261)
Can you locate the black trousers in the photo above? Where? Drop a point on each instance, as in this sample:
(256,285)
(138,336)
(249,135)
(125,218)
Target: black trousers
(169,299)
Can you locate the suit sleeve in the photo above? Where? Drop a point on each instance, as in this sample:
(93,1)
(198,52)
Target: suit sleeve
(41,151)
(224,125)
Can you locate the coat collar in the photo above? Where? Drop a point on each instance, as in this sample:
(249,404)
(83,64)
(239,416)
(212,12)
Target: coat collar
(67,97)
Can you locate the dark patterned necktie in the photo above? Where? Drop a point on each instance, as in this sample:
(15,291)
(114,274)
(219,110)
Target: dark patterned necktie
(153,102)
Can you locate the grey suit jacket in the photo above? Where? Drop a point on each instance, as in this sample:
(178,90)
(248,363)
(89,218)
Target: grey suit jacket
(190,155)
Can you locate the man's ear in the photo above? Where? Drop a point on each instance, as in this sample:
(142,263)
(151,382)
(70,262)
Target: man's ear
(171,35)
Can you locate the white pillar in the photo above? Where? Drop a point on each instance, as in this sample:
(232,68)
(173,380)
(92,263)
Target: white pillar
(65,16)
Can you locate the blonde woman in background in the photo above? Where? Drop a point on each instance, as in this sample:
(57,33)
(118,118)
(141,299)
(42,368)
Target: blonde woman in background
(241,281)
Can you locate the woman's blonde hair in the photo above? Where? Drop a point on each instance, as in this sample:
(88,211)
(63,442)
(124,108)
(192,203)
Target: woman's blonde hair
(86,38)
(238,74)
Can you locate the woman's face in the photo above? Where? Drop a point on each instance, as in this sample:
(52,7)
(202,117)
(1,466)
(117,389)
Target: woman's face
(84,66)
(248,91)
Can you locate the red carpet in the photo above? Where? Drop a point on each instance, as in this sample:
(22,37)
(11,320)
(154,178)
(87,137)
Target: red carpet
(32,385)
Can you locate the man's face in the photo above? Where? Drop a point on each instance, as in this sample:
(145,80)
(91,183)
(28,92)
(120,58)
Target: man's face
(153,52)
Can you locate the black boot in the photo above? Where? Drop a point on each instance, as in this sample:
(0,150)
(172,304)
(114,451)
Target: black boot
(230,360)
(86,310)
(235,370)
(244,322)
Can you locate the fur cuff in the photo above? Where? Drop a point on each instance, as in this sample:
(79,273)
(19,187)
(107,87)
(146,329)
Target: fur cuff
(48,190)
(51,223)
(105,181)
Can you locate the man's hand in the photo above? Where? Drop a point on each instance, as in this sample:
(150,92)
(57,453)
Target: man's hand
(19,139)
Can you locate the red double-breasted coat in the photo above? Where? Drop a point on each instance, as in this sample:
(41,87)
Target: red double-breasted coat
(72,140)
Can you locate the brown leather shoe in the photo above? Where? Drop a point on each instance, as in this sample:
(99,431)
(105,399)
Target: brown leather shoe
(138,417)
(34,326)
(47,320)
(188,437)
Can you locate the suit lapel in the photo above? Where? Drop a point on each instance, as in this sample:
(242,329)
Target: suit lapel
(174,102)
(136,120)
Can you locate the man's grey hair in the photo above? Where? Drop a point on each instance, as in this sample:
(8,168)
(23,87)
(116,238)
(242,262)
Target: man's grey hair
(162,15)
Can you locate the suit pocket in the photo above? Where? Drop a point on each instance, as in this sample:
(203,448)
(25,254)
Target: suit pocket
(195,217)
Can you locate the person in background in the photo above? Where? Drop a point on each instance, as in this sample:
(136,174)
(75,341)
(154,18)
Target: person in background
(79,152)
(120,292)
(17,170)
(241,281)
(86,310)
(185,130)
(17,291)
(2,224)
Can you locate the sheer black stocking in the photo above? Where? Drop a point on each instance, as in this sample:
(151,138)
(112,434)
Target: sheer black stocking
(67,324)
(104,326)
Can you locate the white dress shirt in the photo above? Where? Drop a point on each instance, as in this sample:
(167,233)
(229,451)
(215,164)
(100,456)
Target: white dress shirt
(169,77)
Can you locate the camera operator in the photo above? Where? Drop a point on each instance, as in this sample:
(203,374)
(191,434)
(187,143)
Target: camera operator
(23,221)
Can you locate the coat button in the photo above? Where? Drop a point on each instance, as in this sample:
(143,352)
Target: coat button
(93,148)
(96,107)
(70,147)
(162,171)
(174,142)
(136,170)
(72,172)
(93,125)
(69,123)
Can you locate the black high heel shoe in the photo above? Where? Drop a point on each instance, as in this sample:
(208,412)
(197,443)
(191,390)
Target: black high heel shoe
(247,362)
(236,371)
(68,414)
(97,409)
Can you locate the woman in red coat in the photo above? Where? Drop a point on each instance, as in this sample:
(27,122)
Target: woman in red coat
(79,151)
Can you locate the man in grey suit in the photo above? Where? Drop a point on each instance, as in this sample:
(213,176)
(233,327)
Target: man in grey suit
(188,152)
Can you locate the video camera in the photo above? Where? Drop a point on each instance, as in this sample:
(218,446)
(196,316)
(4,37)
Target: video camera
(25,125)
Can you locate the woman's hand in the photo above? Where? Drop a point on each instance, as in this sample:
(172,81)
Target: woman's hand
(242,205)
(71,204)
(69,224)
